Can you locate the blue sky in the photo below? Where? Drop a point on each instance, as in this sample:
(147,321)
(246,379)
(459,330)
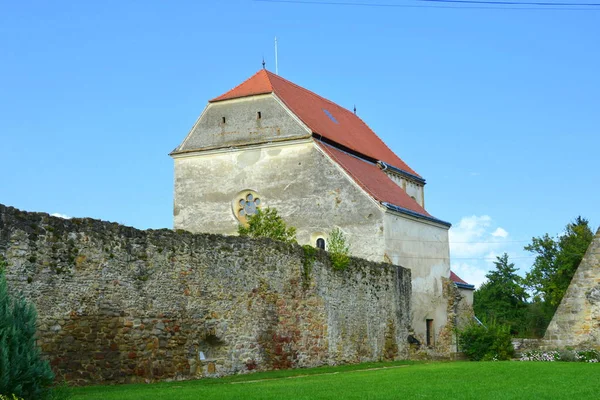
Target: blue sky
(497,108)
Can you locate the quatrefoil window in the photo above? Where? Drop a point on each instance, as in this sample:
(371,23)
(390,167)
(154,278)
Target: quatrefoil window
(248,205)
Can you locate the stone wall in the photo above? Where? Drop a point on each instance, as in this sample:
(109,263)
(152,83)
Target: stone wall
(576,322)
(117,304)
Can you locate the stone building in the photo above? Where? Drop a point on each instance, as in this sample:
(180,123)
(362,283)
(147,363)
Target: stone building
(576,322)
(464,304)
(271,143)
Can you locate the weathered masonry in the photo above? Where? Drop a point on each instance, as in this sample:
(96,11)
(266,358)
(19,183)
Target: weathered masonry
(117,304)
(576,322)
(271,143)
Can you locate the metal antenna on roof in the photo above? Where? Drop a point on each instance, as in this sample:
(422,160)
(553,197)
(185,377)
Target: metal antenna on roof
(264,63)
(355,109)
(276,61)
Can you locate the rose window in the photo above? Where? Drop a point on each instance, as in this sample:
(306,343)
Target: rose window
(248,205)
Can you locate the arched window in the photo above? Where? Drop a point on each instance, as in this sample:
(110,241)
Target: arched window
(321,243)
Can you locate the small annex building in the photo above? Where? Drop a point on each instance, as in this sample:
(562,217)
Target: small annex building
(271,143)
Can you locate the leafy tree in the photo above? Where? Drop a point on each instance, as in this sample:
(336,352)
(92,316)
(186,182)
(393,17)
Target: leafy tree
(536,320)
(486,343)
(267,223)
(338,248)
(22,371)
(554,266)
(556,261)
(502,297)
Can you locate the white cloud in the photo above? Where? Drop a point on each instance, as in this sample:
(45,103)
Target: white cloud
(63,216)
(470,273)
(499,232)
(474,244)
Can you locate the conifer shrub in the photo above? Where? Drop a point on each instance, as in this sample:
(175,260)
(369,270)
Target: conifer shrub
(339,250)
(23,373)
(486,343)
(267,223)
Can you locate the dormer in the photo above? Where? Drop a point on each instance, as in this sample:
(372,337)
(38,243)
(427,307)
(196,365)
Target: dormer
(412,184)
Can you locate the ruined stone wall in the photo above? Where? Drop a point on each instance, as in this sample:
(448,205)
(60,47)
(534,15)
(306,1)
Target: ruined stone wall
(576,322)
(117,304)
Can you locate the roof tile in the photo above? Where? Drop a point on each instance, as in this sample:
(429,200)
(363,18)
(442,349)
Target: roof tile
(456,278)
(373,180)
(322,116)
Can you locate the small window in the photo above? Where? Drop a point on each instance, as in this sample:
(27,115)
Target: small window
(429,332)
(321,243)
(331,117)
(223,119)
(258,115)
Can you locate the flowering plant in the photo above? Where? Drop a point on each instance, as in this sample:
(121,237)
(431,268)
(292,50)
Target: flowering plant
(590,356)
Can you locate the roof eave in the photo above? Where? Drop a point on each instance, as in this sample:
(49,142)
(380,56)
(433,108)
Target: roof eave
(402,172)
(217,99)
(414,214)
(464,286)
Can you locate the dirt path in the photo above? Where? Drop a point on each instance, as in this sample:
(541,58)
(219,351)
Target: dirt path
(324,373)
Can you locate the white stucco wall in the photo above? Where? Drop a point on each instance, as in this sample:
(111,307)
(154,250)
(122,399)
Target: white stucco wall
(413,189)
(423,247)
(309,191)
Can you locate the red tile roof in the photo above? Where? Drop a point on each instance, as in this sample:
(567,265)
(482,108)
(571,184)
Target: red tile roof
(456,278)
(373,180)
(343,127)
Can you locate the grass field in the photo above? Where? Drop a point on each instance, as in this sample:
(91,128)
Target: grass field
(435,380)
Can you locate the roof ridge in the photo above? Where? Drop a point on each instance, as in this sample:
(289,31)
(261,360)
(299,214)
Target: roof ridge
(306,90)
(269,74)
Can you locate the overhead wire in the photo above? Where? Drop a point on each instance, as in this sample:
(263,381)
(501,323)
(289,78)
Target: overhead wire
(456,4)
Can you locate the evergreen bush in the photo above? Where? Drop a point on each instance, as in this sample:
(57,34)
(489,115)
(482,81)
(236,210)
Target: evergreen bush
(23,373)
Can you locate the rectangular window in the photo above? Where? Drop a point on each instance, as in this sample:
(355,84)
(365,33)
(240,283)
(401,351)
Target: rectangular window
(429,333)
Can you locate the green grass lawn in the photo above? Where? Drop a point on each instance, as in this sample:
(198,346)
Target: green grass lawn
(434,380)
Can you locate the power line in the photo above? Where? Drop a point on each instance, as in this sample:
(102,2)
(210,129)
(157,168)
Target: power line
(513,3)
(479,4)
(451,242)
(486,258)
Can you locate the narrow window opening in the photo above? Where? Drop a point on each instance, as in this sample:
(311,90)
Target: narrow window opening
(223,119)
(429,332)
(321,243)
(258,115)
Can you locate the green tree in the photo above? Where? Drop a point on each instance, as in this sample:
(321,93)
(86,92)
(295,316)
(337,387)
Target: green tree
(267,223)
(502,297)
(554,266)
(338,248)
(556,261)
(22,371)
